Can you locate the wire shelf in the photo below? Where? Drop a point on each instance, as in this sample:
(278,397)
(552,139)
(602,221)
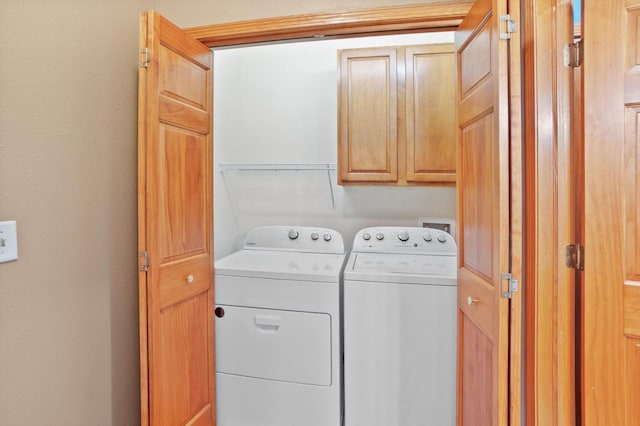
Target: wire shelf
(284,167)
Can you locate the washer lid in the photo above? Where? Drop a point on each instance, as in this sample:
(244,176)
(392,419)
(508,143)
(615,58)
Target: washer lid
(402,268)
(282,265)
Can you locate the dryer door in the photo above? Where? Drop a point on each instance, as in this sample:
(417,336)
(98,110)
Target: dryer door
(272,344)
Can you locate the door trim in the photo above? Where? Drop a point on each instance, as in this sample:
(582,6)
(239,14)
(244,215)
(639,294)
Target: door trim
(428,17)
(401,19)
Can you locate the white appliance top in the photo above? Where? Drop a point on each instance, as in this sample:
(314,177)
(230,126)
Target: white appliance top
(403,240)
(289,253)
(403,255)
(294,238)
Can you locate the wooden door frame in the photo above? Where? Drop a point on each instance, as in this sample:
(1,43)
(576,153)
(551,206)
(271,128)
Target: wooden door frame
(446,16)
(553,193)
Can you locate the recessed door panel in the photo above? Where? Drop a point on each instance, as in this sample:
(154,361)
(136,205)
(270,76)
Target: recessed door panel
(181,181)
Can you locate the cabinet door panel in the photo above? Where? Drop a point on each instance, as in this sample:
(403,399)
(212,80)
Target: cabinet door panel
(368,141)
(430,113)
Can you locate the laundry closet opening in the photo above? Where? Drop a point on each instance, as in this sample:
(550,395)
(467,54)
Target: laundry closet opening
(275,145)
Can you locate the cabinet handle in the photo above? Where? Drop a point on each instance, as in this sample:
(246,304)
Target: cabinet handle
(190,279)
(471,301)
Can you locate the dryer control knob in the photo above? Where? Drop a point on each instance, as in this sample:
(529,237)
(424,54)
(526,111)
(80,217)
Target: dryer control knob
(380,236)
(428,237)
(293,234)
(366,236)
(403,236)
(442,237)
(327,237)
(314,236)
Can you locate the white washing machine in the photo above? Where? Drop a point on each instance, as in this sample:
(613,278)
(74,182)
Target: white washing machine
(400,328)
(278,354)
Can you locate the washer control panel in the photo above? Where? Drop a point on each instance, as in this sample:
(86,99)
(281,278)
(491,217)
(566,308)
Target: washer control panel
(295,238)
(393,239)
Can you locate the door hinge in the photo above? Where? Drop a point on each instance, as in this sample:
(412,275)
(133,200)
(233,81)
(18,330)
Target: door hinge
(574,256)
(145,57)
(512,285)
(510,27)
(143,258)
(574,54)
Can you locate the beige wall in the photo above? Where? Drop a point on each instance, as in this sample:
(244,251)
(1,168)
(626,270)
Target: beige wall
(68,306)
(203,12)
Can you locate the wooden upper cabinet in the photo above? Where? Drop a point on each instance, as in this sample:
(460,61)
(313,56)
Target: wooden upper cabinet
(430,113)
(396,115)
(368,116)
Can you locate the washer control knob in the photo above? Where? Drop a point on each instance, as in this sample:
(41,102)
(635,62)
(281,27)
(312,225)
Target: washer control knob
(314,236)
(380,236)
(442,237)
(403,235)
(428,237)
(293,234)
(366,236)
(327,237)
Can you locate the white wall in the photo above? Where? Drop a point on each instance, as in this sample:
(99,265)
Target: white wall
(278,104)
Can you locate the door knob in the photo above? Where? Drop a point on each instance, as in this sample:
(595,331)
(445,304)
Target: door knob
(471,301)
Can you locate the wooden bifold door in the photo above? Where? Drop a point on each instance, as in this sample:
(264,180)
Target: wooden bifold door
(175,227)
(489,210)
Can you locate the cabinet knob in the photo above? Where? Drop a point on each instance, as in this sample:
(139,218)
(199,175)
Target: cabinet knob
(471,301)
(190,279)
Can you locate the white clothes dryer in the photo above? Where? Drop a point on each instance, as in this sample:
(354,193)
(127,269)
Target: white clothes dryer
(277,324)
(400,328)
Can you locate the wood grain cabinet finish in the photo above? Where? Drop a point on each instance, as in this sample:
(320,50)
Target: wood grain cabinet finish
(396,115)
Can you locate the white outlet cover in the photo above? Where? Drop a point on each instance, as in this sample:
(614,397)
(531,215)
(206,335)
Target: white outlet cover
(8,241)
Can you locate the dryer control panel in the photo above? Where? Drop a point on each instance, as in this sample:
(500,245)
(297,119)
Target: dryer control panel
(295,238)
(393,239)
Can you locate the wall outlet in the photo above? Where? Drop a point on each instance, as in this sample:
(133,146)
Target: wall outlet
(8,241)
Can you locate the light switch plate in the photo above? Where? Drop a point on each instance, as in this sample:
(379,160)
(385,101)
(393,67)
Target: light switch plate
(8,241)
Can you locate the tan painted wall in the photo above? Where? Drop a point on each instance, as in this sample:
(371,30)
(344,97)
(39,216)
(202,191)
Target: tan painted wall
(68,307)
(203,12)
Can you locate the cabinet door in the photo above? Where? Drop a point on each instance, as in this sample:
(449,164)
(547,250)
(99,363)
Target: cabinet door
(430,113)
(367,116)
